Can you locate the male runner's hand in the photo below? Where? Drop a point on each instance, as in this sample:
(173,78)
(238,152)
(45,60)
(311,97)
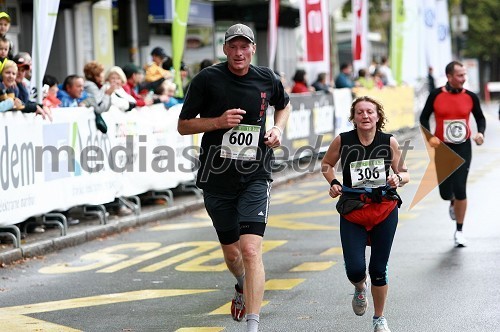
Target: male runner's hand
(479,138)
(231,118)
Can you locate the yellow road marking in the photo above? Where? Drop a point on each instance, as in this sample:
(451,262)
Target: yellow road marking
(282,284)
(226,309)
(328,200)
(100,258)
(313,266)
(311,198)
(293,225)
(199,247)
(332,251)
(13,319)
(92,301)
(300,143)
(301,215)
(285,221)
(184,225)
(201,329)
(199,264)
(291,196)
(25,323)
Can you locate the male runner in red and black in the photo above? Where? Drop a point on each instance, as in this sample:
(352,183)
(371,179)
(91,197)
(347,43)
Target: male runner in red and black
(452,106)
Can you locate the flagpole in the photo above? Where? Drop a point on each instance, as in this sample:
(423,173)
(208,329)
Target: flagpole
(36,52)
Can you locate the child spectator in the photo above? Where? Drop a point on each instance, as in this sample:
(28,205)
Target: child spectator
(155,73)
(168,89)
(51,99)
(4,28)
(9,93)
(4,51)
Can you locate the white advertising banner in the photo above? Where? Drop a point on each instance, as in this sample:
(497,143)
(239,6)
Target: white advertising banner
(342,100)
(438,39)
(55,166)
(443,37)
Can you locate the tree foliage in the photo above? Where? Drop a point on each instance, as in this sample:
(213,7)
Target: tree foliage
(483,36)
(482,40)
(377,20)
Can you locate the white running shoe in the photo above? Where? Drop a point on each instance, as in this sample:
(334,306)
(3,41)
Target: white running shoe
(460,240)
(380,325)
(359,301)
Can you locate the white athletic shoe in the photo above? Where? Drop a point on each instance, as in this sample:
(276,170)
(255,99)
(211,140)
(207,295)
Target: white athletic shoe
(380,325)
(460,240)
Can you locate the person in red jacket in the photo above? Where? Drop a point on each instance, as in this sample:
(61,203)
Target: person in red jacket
(134,77)
(452,106)
(300,85)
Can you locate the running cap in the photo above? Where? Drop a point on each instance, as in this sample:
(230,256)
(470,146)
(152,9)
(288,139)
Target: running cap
(239,30)
(5,16)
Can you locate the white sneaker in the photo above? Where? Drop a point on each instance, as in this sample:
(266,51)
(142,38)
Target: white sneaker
(380,325)
(460,240)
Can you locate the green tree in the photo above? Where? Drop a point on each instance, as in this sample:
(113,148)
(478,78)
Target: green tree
(481,41)
(483,35)
(378,15)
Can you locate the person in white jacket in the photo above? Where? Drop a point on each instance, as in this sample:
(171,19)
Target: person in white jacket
(115,77)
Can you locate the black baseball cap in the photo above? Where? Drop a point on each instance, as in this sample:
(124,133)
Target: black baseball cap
(239,30)
(131,69)
(159,52)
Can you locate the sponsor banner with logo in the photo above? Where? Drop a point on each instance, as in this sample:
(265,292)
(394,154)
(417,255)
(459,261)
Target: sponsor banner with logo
(310,127)
(55,166)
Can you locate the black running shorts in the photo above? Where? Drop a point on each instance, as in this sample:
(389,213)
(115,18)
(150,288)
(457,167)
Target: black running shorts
(242,212)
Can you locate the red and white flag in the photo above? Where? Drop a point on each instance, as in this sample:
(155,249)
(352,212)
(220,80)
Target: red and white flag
(272,39)
(315,57)
(360,34)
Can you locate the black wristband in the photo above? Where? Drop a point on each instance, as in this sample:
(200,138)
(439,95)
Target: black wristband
(400,178)
(335,181)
